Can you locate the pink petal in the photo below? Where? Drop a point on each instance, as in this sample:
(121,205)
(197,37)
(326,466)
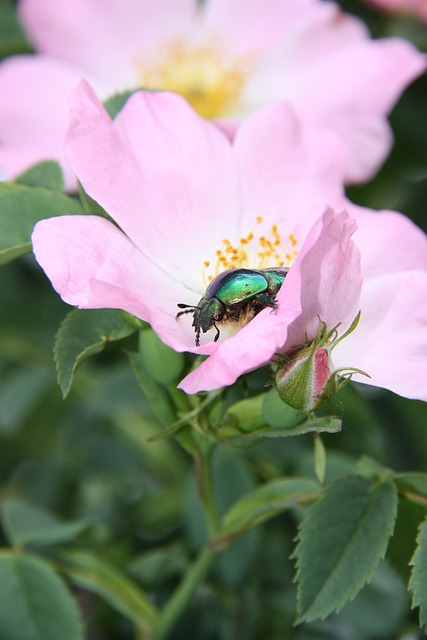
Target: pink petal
(29,135)
(105,36)
(328,252)
(330,278)
(389,242)
(250,25)
(93,265)
(289,172)
(390,343)
(352,91)
(165,175)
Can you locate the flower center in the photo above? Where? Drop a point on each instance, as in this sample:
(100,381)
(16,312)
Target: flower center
(209,80)
(253,251)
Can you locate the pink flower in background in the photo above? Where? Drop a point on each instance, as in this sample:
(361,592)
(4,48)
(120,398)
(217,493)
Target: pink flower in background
(226,57)
(188,204)
(417,7)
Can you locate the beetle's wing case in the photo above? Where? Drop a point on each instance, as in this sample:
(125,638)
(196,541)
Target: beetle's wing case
(240,285)
(276,276)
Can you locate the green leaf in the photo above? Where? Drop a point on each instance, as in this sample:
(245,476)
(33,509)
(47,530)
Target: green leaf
(164,364)
(341,541)
(98,576)
(156,394)
(90,205)
(82,334)
(20,208)
(47,174)
(418,581)
(319,459)
(325,424)
(23,523)
(35,604)
(413,486)
(157,566)
(116,102)
(265,502)
(12,39)
(15,407)
(379,609)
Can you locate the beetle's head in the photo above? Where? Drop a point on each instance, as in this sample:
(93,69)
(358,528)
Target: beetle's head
(206,314)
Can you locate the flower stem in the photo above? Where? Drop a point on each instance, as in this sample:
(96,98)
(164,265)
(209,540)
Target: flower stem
(194,576)
(204,477)
(182,596)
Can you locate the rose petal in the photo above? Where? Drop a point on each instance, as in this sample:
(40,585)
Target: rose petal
(29,135)
(353,92)
(260,24)
(390,342)
(274,151)
(331,278)
(93,265)
(389,242)
(105,37)
(166,176)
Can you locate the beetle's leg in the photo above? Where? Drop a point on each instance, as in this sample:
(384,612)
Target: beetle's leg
(217,332)
(266,300)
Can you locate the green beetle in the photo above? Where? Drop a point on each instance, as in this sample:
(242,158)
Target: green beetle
(235,296)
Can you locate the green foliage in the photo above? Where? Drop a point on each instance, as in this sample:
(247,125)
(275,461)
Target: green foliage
(164,364)
(264,502)
(84,333)
(12,39)
(341,541)
(35,603)
(418,580)
(47,175)
(24,524)
(116,102)
(20,208)
(99,576)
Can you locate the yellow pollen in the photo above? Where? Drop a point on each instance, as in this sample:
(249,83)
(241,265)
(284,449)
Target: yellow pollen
(254,251)
(210,80)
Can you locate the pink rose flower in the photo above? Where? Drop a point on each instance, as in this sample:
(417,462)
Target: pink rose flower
(187,204)
(227,58)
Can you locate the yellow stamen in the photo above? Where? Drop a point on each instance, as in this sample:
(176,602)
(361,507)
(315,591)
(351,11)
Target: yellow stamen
(254,252)
(205,75)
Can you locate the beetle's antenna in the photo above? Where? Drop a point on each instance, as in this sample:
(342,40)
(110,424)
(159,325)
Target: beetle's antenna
(198,337)
(189,308)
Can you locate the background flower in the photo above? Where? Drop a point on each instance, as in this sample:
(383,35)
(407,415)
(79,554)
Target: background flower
(176,187)
(306,51)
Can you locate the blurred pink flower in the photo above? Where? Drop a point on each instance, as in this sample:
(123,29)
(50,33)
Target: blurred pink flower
(417,7)
(226,57)
(188,204)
